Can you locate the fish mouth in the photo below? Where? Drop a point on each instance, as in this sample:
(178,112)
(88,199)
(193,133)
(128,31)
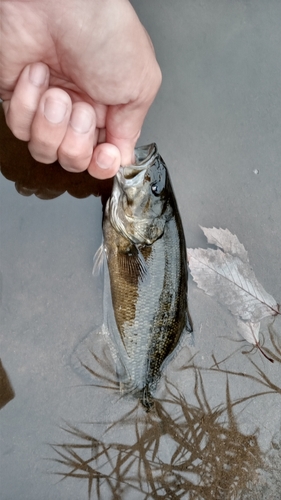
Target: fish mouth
(145,155)
(133,175)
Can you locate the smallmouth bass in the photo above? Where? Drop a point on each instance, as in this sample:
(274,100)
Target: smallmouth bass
(146,258)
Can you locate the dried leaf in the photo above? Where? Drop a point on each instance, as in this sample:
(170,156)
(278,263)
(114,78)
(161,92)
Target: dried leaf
(227,241)
(250,331)
(227,275)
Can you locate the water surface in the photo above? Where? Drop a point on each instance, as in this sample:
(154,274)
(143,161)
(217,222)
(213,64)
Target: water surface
(216,429)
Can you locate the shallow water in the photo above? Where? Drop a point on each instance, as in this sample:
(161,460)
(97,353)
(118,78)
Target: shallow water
(216,429)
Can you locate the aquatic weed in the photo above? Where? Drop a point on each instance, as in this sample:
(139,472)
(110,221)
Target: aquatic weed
(209,458)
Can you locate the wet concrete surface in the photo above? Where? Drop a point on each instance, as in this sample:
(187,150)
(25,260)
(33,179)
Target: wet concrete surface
(216,431)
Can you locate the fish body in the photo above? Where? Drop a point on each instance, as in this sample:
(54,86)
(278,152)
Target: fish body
(146,258)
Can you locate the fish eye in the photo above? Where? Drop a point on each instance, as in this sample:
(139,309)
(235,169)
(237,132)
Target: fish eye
(156,189)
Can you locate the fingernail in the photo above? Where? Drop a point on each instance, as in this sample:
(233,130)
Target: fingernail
(37,74)
(54,111)
(81,121)
(104,160)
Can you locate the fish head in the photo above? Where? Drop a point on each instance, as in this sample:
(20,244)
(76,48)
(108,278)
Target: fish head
(140,201)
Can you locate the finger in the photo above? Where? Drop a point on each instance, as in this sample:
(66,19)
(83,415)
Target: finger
(20,110)
(76,150)
(107,157)
(49,125)
(123,129)
(124,122)
(105,161)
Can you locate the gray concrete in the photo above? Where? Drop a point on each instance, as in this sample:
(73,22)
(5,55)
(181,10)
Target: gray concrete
(217,123)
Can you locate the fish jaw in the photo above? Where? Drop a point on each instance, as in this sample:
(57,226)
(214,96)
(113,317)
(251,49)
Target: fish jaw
(133,175)
(146,154)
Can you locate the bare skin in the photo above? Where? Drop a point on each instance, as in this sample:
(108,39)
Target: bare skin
(77,78)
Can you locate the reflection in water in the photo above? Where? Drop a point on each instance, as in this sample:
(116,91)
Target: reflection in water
(45,181)
(269,486)
(6,389)
(209,459)
(182,450)
(179,451)
(261,377)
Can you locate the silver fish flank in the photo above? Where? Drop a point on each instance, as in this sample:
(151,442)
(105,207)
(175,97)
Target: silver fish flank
(146,258)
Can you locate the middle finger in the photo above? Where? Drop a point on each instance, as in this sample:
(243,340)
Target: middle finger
(49,125)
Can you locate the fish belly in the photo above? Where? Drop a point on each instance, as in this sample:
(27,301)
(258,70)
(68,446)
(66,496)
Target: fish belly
(149,310)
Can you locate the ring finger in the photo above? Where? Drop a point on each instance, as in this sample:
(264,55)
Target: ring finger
(76,150)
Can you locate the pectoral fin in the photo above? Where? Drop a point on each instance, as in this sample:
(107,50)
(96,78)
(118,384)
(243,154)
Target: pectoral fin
(132,265)
(98,260)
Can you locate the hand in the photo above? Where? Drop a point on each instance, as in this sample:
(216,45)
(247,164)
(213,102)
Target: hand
(77,79)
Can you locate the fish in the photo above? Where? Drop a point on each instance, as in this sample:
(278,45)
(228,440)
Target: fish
(145,249)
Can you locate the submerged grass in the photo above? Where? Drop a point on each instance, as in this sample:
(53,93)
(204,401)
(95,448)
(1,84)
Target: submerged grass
(260,376)
(179,450)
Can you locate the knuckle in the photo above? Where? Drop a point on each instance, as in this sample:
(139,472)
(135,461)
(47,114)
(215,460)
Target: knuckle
(74,154)
(70,155)
(41,143)
(41,154)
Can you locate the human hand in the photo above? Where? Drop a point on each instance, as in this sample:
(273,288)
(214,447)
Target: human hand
(77,79)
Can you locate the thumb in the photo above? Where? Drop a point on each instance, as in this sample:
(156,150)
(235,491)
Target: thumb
(123,128)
